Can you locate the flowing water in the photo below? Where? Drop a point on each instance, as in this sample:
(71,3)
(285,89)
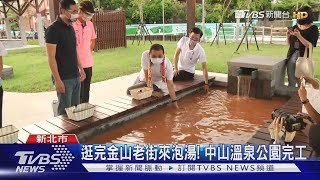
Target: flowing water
(244,84)
(216,117)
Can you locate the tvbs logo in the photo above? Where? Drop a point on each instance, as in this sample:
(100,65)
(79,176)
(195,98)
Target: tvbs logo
(29,162)
(247,14)
(300,15)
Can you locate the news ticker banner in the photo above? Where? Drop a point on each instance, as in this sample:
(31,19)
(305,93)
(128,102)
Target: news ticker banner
(39,156)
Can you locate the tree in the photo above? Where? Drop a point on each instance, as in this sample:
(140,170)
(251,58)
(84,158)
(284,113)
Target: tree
(153,11)
(214,11)
(293,5)
(180,13)
(140,4)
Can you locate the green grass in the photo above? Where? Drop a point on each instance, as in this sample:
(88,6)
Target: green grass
(33,42)
(32,74)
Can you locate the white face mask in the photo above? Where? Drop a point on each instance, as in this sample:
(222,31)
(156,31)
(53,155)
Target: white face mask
(74,17)
(156,61)
(86,17)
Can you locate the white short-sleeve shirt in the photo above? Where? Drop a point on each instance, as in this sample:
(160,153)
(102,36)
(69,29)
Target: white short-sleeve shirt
(156,70)
(188,59)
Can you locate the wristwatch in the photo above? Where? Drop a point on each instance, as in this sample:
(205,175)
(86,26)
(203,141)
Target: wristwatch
(305,102)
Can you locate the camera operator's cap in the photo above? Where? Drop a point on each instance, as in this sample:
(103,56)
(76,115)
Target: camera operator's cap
(87,7)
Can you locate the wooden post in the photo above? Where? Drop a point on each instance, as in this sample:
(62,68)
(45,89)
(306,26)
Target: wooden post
(39,25)
(22,30)
(7,21)
(54,9)
(191,15)
(37,6)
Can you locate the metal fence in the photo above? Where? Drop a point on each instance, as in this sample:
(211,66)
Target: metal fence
(111,29)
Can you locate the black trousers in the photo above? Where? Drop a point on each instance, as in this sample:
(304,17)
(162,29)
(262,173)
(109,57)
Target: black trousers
(1,101)
(183,76)
(85,86)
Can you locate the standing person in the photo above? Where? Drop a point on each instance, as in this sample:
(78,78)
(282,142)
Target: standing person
(86,37)
(62,56)
(156,70)
(3,52)
(188,53)
(299,37)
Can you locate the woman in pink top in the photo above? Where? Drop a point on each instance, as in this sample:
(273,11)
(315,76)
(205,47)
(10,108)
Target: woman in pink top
(86,37)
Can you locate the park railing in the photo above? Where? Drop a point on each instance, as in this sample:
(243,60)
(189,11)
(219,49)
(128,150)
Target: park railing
(173,32)
(111,29)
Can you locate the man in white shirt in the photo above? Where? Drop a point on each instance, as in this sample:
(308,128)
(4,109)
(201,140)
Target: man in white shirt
(188,54)
(154,61)
(3,52)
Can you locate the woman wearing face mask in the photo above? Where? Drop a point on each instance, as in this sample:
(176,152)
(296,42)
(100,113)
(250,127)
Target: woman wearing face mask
(299,37)
(156,71)
(86,37)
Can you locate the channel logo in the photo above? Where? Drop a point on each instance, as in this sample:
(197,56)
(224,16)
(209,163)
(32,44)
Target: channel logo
(30,162)
(300,15)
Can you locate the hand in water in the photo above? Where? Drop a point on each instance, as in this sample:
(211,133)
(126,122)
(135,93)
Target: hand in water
(175,104)
(206,88)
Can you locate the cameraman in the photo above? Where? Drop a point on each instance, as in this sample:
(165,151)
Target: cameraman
(303,97)
(312,131)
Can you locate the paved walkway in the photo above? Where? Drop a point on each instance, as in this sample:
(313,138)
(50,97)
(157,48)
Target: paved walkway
(21,109)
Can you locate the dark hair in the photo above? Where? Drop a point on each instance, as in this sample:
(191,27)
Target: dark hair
(197,31)
(87,6)
(65,4)
(156,47)
(307,9)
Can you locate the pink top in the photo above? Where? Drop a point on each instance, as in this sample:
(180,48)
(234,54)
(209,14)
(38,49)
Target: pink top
(84,35)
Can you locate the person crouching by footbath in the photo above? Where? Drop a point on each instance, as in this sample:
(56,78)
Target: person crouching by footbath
(62,56)
(188,53)
(156,71)
(86,37)
(312,130)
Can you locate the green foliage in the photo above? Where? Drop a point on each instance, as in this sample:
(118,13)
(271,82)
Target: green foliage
(215,10)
